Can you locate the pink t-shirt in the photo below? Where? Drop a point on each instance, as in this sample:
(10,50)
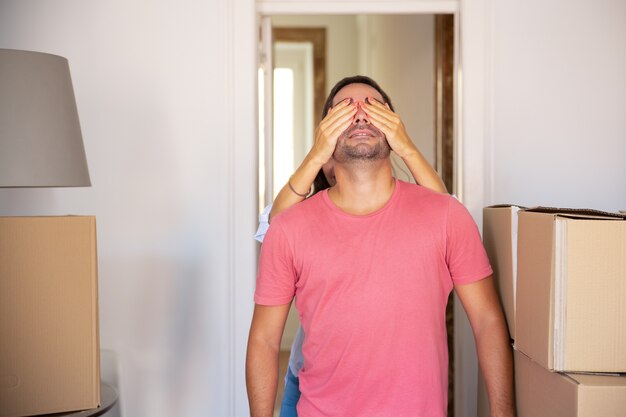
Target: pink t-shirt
(371,292)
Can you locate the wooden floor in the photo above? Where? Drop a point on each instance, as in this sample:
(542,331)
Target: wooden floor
(283,362)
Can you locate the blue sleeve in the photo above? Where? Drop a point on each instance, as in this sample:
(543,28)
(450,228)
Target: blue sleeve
(264,224)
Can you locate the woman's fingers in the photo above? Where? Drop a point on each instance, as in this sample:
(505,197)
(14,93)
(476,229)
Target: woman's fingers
(391,125)
(339,111)
(381,113)
(342,117)
(330,128)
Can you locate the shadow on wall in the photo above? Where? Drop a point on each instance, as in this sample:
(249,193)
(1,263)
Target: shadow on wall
(25,201)
(153,315)
(109,374)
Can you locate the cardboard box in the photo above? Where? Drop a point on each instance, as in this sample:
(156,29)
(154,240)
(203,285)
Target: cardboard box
(540,392)
(500,241)
(49,346)
(571,289)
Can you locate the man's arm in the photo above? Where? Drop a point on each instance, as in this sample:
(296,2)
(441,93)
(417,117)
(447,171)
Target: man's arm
(492,343)
(266,330)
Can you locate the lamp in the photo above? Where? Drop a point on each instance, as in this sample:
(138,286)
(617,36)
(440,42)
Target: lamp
(40,139)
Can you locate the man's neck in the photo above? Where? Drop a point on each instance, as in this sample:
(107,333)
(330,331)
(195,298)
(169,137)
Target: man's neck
(362,188)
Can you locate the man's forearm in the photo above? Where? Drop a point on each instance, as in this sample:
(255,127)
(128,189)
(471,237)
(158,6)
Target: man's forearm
(480,301)
(261,378)
(496,363)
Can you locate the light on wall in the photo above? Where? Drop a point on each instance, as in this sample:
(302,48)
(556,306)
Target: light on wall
(40,138)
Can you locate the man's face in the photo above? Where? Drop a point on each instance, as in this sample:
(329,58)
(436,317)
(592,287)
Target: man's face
(361,141)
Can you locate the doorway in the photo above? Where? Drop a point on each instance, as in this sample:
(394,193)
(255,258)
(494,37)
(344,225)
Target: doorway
(428,111)
(359,44)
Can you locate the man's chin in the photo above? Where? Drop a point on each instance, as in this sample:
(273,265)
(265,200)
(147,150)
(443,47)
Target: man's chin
(361,152)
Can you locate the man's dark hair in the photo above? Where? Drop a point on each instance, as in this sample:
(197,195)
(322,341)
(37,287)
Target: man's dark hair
(320,182)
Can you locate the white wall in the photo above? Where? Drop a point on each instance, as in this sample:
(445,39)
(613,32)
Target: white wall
(152,87)
(559,94)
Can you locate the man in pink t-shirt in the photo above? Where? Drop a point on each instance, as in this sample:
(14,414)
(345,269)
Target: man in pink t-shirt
(371,263)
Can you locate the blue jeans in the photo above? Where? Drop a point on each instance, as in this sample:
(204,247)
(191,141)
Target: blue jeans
(290,396)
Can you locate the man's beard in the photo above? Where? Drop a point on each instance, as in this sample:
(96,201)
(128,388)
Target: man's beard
(351,150)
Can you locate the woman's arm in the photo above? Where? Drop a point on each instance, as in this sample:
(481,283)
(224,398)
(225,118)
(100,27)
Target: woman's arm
(424,174)
(326,134)
(392,126)
(301,182)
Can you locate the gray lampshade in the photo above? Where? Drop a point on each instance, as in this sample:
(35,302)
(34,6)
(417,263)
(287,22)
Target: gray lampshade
(40,139)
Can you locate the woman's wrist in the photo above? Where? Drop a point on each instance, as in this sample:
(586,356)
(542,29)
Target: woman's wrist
(293,190)
(411,154)
(314,161)
(310,165)
(303,178)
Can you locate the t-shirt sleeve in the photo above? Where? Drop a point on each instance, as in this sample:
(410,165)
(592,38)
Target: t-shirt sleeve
(276,278)
(465,253)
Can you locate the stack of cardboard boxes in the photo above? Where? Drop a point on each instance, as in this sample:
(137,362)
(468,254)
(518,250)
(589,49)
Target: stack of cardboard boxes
(561,277)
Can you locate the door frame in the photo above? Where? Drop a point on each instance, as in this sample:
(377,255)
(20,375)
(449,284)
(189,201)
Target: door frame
(316,36)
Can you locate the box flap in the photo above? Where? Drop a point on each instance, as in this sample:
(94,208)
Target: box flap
(577,212)
(506,206)
(600,380)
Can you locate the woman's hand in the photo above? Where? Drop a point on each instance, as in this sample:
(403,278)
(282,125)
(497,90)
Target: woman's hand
(330,128)
(327,132)
(388,122)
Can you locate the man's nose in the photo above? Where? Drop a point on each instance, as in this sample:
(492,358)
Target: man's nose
(360,117)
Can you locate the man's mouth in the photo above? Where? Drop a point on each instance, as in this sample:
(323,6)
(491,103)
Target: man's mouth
(361,133)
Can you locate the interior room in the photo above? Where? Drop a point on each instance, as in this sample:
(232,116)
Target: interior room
(167,95)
